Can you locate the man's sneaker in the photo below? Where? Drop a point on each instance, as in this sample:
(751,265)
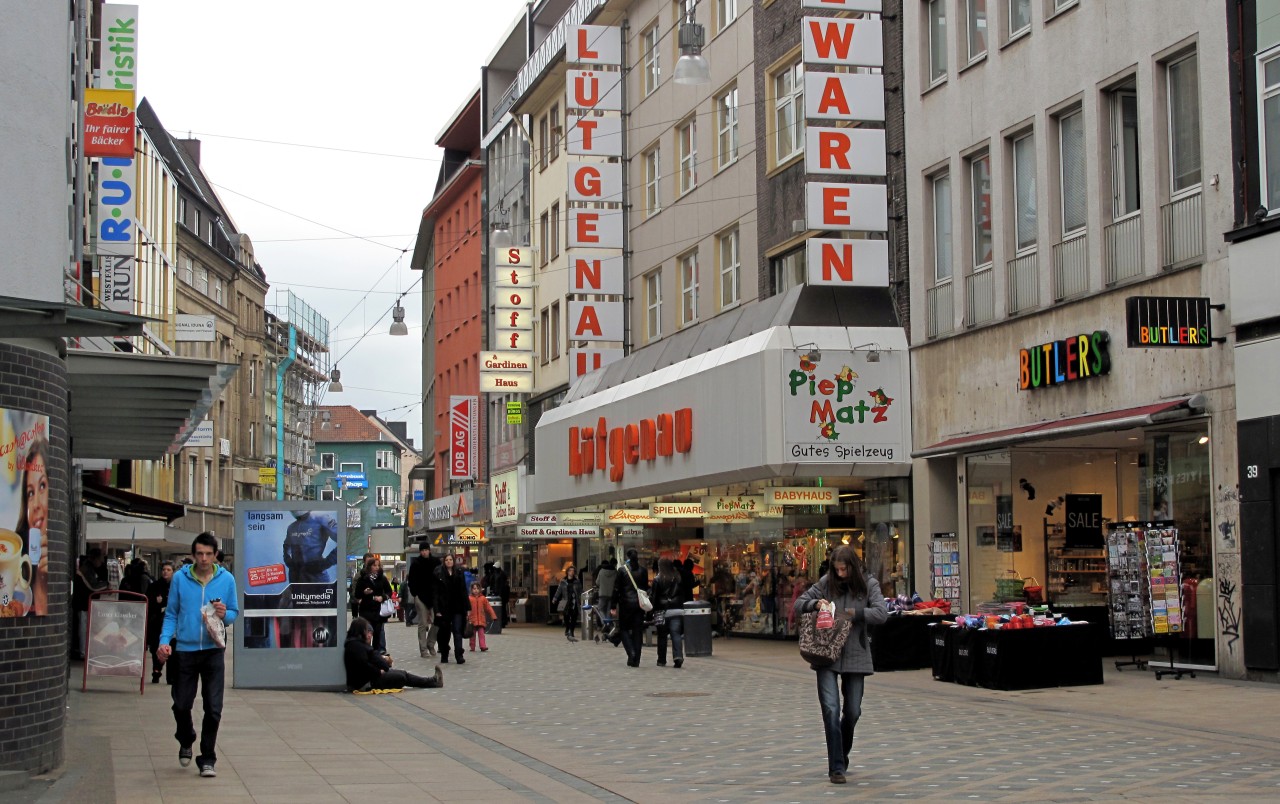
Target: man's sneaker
(184,756)
(208,771)
(837,778)
(439,676)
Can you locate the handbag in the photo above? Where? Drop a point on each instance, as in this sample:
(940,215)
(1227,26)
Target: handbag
(388,608)
(821,647)
(641,595)
(469,631)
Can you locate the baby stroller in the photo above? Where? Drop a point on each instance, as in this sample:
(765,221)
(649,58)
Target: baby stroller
(598,621)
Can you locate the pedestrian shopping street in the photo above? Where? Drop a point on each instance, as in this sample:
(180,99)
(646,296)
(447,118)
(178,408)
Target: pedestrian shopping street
(539,719)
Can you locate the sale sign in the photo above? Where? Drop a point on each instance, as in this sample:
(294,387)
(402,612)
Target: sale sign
(464,436)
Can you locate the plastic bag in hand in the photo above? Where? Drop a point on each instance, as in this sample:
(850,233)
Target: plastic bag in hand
(214,625)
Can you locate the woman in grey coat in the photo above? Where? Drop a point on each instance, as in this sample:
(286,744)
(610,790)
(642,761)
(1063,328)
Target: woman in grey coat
(857,597)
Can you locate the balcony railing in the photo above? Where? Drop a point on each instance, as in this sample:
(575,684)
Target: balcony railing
(980,297)
(1071,267)
(941,305)
(1183,224)
(1122,244)
(1023,281)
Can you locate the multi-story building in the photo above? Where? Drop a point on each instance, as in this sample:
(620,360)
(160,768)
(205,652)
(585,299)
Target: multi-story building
(1064,271)
(1252,243)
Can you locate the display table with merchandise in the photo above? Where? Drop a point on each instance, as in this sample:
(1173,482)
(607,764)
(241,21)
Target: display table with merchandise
(902,642)
(1016,658)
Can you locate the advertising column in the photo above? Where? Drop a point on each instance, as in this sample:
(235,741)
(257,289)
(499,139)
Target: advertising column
(291,600)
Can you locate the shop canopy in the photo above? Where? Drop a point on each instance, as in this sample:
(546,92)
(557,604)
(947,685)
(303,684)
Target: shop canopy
(119,501)
(1141,416)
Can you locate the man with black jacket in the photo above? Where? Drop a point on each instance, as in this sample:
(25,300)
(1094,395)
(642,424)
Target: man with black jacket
(422,587)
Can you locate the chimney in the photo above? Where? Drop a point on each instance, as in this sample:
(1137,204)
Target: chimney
(192,147)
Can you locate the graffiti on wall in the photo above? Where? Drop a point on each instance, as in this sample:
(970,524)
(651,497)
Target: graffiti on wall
(1228,513)
(1228,600)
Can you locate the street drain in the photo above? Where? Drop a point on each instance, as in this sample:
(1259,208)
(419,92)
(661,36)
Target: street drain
(678,694)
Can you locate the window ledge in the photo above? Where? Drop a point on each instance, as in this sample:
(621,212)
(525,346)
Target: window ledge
(786,163)
(1058,12)
(932,87)
(979,59)
(1018,37)
(726,165)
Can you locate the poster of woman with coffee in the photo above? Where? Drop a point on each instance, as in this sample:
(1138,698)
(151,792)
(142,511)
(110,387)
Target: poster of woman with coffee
(24,514)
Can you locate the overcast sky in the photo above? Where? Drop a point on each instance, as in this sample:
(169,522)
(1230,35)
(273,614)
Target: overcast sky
(269,87)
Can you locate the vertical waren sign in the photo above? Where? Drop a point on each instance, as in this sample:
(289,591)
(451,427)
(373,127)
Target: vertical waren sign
(464,436)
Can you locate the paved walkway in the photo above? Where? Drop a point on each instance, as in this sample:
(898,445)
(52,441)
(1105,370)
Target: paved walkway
(538,719)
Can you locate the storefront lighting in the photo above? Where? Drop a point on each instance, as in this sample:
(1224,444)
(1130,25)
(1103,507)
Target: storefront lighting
(810,351)
(1204,439)
(873,351)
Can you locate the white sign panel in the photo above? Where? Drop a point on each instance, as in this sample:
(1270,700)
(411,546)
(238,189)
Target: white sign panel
(505,382)
(846,207)
(591,272)
(517,340)
(847,263)
(845,151)
(513,299)
(514,257)
(594,90)
(565,518)
(585,361)
(595,181)
(202,436)
(753,504)
(630,516)
(194,327)
(595,321)
(844,409)
(802,495)
(676,510)
(512,277)
(557,532)
(872,6)
(595,228)
(843,96)
(594,44)
(839,40)
(514,319)
(504,498)
(506,361)
(589,135)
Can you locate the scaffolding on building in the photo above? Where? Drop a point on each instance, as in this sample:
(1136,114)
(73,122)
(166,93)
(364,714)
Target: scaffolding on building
(303,386)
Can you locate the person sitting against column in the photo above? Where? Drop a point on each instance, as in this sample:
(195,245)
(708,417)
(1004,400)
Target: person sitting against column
(370,669)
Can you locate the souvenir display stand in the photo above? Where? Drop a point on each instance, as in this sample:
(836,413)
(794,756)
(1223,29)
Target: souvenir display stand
(1164,580)
(1129,598)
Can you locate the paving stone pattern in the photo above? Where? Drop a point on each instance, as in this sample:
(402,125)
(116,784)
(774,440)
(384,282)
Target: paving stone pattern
(539,719)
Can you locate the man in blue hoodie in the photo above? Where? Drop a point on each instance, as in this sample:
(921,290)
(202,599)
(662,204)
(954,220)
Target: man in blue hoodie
(198,657)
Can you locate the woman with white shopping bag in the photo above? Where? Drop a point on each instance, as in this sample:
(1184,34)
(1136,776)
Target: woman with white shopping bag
(630,603)
(372,593)
(846,593)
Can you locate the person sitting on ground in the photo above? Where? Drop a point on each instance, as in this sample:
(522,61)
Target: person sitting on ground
(370,669)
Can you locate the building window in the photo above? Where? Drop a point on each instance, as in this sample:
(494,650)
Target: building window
(384,497)
(652,72)
(976,20)
(217,289)
(726,12)
(544,237)
(1184,124)
(555,330)
(1071,158)
(202,280)
(788,270)
(727,127)
(687,154)
(937,41)
(688,269)
(653,305)
(652,172)
(1019,17)
(196,228)
(384,459)
(1125,163)
(1269,121)
(327,461)
(545,321)
(556,131)
(208,480)
(191,478)
(980,209)
(351,467)
(253,439)
(327,493)
(188,270)
(1024,191)
(555,230)
(253,378)
(730,267)
(788,112)
(543,133)
(941,186)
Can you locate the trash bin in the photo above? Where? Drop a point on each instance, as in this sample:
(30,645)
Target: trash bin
(697,628)
(495,627)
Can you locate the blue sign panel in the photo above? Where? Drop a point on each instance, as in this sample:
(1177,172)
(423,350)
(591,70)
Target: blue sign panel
(352,480)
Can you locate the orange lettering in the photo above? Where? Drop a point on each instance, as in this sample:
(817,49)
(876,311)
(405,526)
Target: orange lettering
(833,150)
(838,35)
(833,96)
(835,206)
(587,227)
(586,274)
(588,322)
(585,54)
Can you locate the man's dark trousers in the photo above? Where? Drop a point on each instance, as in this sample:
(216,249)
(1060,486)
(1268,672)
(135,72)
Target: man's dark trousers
(207,668)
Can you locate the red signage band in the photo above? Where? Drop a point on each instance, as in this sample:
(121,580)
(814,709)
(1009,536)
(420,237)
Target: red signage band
(599,448)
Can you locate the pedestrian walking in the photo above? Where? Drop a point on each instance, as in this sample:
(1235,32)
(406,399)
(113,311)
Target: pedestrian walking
(668,611)
(856,596)
(422,583)
(567,600)
(479,617)
(369,591)
(370,669)
(452,605)
(202,602)
(157,604)
(626,606)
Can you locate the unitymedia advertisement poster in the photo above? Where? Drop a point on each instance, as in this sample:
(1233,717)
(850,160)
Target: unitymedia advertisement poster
(292,604)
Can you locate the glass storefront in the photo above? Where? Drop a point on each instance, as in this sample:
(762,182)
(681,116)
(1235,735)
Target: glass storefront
(1040,513)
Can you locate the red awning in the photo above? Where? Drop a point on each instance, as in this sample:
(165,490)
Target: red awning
(1076,425)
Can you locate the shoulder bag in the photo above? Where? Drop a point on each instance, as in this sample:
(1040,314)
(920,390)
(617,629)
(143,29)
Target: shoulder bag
(641,595)
(822,647)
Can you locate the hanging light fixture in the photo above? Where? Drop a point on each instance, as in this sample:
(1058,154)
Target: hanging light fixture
(335,381)
(501,234)
(397,325)
(692,67)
